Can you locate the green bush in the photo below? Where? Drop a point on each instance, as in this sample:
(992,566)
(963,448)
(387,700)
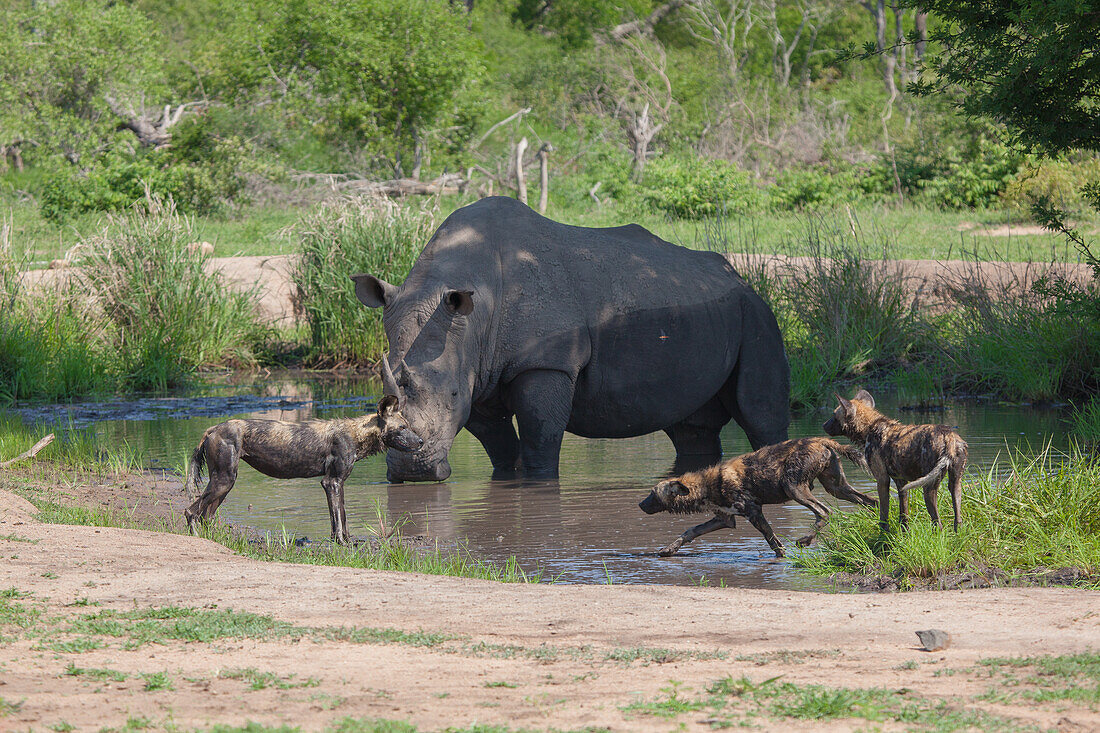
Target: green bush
(692,188)
(977,179)
(1060,180)
(201,175)
(166,314)
(803,188)
(354,236)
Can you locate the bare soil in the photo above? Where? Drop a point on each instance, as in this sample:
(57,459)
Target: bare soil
(547,662)
(931,279)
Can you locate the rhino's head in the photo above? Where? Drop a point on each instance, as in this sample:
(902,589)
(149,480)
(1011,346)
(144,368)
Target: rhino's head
(435,348)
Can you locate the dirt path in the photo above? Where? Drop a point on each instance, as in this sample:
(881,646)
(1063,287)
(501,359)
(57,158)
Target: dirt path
(271,275)
(523,656)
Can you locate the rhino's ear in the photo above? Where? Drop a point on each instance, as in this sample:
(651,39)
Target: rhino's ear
(459,301)
(371,291)
(865,397)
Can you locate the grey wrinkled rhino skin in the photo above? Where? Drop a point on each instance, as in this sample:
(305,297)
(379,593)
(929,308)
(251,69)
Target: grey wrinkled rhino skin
(606,333)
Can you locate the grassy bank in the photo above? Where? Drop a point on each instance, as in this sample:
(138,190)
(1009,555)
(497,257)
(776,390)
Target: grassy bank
(142,313)
(1039,522)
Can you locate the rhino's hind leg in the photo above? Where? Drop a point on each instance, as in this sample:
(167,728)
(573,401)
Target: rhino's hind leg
(697,438)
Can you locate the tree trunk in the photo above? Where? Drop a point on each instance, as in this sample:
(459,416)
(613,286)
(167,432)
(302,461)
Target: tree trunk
(544,176)
(920,22)
(521,183)
(641,131)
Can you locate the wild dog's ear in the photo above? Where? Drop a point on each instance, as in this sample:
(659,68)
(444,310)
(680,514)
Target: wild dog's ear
(387,406)
(845,404)
(459,302)
(678,489)
(372,291)
(865,397)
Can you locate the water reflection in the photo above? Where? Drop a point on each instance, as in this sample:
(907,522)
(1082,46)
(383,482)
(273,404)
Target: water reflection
(584,528)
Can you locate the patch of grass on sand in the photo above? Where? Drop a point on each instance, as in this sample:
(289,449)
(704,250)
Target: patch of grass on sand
(155,681)
(1041,520)
(744,702)
(96,673)
(262,680)
(1072,677)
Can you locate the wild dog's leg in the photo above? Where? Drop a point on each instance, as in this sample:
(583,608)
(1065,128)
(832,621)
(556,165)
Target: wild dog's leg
(542,400)
(803,494)
(954,483)
(751,511)
(930,502)
(883,503)
(222,459)
(836,483)
(334,495)
(903,503)
(697,531)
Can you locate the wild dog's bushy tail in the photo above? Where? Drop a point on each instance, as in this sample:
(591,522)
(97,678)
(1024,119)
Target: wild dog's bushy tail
(195,468)
(931,478)
(853,454)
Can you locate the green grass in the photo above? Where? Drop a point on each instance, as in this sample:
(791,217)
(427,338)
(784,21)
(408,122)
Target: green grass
(1085,422)
(156,681)
(370,236)
(72,449)
(743,702)
(258,680)
(95,673)
(1044,515)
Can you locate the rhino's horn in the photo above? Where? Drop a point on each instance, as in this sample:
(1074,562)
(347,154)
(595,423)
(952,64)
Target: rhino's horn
(389,384)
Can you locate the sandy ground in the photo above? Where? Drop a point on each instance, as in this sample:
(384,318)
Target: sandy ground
(546,666)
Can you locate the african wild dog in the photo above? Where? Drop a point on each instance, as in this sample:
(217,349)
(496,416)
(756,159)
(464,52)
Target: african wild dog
(774,474)
(914,456)
(280,449)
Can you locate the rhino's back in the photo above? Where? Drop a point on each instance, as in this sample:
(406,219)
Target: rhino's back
(646,326)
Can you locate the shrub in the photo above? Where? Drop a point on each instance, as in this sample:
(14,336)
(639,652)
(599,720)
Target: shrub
(201,177)
(1060,180)
(167,314)
(977,180)
(692,188)
(811,187)
(374,236)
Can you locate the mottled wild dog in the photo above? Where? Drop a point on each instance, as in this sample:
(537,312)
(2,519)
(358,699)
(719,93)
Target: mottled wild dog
(279,449)
(774,474)
(914,456)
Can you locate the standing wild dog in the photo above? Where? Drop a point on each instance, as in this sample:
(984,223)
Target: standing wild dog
(774,474)
(914,456)
(279,449)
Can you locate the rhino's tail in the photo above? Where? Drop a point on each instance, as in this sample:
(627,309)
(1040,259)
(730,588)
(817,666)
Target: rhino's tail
(757,393)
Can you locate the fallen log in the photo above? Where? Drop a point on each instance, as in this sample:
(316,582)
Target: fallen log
(446,183)
(27,455)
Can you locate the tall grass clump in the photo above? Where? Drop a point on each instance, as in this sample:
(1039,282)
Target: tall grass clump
(357,235)
(49,343)
(1043,515)
(843,315)
(1085,422)
(1014,340)
(167,313)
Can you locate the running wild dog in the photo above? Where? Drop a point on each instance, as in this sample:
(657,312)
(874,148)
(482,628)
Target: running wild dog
(914,456)
(774,474)
(279,449)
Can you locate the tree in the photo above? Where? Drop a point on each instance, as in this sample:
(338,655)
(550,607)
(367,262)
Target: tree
(61,64)
(1032,64)
(380,75)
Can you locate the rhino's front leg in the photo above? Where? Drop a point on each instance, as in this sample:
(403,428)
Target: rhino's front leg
(542,400)
(497,436)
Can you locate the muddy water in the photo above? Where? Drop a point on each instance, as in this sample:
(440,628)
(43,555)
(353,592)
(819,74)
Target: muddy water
(585,529)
